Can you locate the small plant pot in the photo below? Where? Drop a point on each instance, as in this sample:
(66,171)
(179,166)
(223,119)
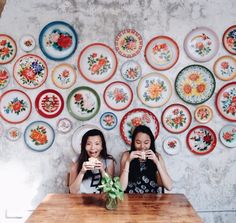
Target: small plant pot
(111,203)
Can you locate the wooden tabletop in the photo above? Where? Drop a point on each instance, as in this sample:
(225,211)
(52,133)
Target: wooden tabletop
(89,208)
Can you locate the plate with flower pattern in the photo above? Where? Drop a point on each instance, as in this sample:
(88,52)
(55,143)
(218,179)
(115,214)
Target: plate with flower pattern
(27,43)
(58,40)
(162,53)
(136,117)
(228,135)
(131,70)
(4,77)
(171,145)
(108,120)
(201,140)
(30,71)
(15,106)
(128,43)
(13,134)
(97,63)
(203,114)
(229,39)
(7,49)
(64,125)
(176,118)
(201,44)
(195,84)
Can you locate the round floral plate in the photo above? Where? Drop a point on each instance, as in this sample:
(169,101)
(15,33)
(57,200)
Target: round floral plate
(83,103)
(64,76)
(27,43)
(225,68)
(154,90)
(118,95)
(97,63)
(161,53)
(225,101)
(15,106)
(201,44)
(201,140)
(131,70)
(228,135)
(13,134)
(176,118)
(195,84)
(229,39)
(58,40)
(64,125)
(108,120)
(203,114)
(7,49)
(30,71)
(49,103)
(172,145)
(1,129)
(4,77)
(128,43)
(136,117)
(39,136)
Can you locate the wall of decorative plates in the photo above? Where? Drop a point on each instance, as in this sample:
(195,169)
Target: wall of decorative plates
(70,66)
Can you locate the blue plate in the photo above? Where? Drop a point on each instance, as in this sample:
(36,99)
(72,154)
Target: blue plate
(108,120)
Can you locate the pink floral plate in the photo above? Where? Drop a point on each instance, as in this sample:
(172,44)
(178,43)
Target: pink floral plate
(203,114)
(131,70)
(97,63)
(136,117)
(13,134)
(128,43)
(201,44)
(15,106)
(7,49)
(108,120)
(27,43)
(228,135)
(161,53)
(154,90)
(172,145)
(229,39)
(118,95)
(176,118)
(4,77)
(201,140)
(64,125)
(30,71)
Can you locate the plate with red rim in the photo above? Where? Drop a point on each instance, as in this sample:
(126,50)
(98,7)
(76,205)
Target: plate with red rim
(228,135)
(13,134)
(229,39)
(4,77)
(172,145)
(8,49)
(162,53)
(203,114)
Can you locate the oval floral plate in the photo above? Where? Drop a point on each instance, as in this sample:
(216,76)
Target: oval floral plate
(136,117)
(108,120)
(201,44)
(128,43)
(131,70)
(176,118)
(15,106)
(97,63)
(203,114)
(64,125)
(154,90)
(201,140)
(39,136)
(13,134)
(195,84)
(30,71)
(49,103)
(161,53)
(225,68)
(7,49)
(64,75)
(27,43)
(228,135)
(4,77)
(58,40)
(172,145)
(225,101)
(229,39)
(83,103)
(118,95)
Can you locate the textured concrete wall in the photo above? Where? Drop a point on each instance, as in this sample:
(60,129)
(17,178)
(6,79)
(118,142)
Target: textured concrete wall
(26,177)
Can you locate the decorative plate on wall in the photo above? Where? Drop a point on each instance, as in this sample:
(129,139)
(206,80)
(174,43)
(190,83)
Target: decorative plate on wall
(64,125)
(97,63)
(131,70)
(134,118)
(39,136)
(228,135)
(58,40)
(15,106)
(4,77)
(108,120)
(225,101)
(154,90)
(13,134)
(118,95)
(229,39)
(203,114)
(201,140)
(161,53)
(27,43)
(176,118)
(201,44)
(195,84)
(225,68)
(83,103)
(172,145)
(7,49)
(30,71)
(128,43)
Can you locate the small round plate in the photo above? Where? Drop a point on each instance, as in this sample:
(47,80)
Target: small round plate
(161,53)
(172,145)
(27,43)
(7,49)
(4,77)
(64,125)
(128,43)
(108,120)
(203,114)
(13,134)
(229,39)
(131,70)
(228,135)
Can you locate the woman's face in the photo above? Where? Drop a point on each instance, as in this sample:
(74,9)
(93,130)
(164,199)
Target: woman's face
(142,141)
(94,146)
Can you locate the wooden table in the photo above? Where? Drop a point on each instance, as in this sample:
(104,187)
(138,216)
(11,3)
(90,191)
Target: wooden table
(89,208)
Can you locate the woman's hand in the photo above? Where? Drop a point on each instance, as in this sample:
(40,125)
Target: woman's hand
(152,156)
(86,166)
(134,155)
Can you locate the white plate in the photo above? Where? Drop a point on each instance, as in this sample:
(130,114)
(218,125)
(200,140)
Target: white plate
(13,134)
(172,145)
